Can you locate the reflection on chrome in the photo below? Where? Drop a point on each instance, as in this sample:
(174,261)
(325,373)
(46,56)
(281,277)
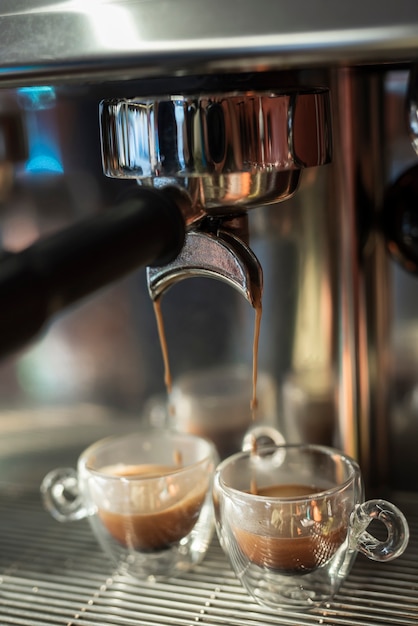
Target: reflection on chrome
(244,149)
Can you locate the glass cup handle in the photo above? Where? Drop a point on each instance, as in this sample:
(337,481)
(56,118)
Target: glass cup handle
(396,527)
(261,435)
(61,495)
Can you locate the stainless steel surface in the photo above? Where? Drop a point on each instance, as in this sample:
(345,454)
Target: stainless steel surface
(55,41)
(243,148)
(363,280)
(221,256)
(56,574)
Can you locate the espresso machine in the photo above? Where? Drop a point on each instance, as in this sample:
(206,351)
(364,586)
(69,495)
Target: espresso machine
(271,146)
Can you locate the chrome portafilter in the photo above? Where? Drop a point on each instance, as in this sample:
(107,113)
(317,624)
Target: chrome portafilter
(218,156)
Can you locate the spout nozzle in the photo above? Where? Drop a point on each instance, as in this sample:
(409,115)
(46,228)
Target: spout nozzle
(222,256)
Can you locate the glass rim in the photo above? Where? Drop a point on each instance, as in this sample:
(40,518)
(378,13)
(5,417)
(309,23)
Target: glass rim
(327,451)
(84,460)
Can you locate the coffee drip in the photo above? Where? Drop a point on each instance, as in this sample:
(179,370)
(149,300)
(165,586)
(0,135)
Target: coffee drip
(168,380)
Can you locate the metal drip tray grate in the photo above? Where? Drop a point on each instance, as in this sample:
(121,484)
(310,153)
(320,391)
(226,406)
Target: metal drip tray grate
(53,573)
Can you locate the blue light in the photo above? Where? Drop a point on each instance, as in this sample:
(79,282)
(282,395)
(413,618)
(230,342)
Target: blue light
(42,135)
(36,98)
(44,164)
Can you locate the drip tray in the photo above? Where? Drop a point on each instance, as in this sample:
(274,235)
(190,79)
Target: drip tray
(52,573)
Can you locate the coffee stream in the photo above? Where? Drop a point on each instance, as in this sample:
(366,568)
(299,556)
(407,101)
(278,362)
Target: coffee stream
(257,326)
(168,381)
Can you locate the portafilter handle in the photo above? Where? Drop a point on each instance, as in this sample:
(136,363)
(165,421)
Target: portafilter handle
(145,229)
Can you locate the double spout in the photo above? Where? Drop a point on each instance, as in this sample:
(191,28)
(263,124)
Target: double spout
(216,253)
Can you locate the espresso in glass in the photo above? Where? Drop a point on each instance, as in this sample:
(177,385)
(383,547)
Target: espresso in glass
(291,550)
(147,496)
(153,525)
(291,519)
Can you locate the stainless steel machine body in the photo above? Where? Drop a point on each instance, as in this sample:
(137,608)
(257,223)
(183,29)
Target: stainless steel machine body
(339,328)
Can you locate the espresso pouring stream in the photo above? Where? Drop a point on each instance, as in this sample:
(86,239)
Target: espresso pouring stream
(167,370)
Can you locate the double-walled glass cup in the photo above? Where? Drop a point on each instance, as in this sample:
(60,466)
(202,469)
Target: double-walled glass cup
(292,518)
(147,497)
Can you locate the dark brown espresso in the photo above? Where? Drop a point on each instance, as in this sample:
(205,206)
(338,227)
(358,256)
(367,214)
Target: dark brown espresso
(288,551)
(156,530)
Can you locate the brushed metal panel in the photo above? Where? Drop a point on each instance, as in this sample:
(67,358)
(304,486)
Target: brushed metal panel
(100,39)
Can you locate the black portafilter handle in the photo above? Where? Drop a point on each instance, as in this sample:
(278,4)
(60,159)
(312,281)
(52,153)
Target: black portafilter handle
(147,228)
(399,220)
